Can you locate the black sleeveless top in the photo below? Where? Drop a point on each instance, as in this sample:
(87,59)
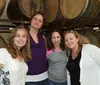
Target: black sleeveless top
(74,69)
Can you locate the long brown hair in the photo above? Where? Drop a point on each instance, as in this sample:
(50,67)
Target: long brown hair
(49,41)
(24,51)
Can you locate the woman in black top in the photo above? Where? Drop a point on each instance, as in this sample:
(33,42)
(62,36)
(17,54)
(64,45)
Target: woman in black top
(75,45)
(74,69)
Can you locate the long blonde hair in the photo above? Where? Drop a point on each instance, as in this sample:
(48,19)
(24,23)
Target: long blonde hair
(24,51)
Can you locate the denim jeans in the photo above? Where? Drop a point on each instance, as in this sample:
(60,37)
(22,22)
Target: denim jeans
(56,83)
(44,82)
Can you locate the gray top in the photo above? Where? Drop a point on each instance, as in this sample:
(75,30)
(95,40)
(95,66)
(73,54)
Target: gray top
(57,66)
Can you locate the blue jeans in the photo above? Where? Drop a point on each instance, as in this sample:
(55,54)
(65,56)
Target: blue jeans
(56,83)
(44,82)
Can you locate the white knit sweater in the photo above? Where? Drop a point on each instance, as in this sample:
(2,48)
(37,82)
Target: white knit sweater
(90,65)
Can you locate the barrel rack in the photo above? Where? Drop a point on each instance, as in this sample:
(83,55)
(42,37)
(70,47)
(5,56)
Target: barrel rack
(14,23)
(70,24)
(89,22)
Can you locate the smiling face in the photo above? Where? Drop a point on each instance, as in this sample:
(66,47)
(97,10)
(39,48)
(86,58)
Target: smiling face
(71,41)
(37,21)
(20,38)
(56,39)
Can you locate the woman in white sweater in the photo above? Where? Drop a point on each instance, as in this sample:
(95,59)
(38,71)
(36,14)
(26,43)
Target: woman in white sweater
(84,60)
(13,58)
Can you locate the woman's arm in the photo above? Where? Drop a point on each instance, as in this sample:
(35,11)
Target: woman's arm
(95,53)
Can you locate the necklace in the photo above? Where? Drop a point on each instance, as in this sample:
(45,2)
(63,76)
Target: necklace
(75,54)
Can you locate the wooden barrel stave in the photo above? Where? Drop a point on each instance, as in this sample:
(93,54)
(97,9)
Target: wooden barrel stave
(2,6)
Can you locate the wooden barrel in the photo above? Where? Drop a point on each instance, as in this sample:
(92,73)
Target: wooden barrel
(52,11)
(90,34)
(4,36)
(97,34)
(85,40)
(2,6)
(3,43)
(79,9)
(94,40)
(24,9)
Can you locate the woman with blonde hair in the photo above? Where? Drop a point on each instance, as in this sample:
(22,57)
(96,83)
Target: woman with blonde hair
(84,60)
(13,57)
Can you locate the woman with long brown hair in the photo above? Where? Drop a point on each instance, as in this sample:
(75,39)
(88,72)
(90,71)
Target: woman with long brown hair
(37,74)
(57,59)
